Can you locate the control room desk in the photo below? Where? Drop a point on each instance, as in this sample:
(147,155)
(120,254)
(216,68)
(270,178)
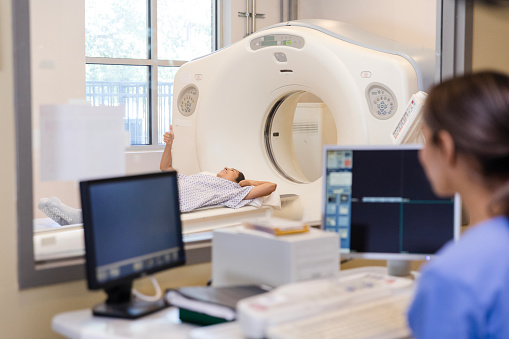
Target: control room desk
(165,324)
(82,325)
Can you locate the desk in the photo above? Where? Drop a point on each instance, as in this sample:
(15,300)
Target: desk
(83,325)
(165,324)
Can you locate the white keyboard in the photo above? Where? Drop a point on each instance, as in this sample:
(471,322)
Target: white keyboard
(318,299)
(380,319)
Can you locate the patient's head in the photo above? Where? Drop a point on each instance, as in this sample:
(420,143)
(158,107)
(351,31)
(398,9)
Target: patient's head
(231,174)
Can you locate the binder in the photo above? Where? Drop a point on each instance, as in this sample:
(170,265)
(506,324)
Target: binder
(210,305)
(277,226)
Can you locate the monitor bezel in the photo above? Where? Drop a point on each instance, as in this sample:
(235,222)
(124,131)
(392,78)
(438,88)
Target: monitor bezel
(89,227)
(382,255)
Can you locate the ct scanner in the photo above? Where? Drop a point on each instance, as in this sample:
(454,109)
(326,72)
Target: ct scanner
(236,107)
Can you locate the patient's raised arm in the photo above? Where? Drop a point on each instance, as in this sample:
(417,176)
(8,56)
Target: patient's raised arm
(166,158)
(260,189)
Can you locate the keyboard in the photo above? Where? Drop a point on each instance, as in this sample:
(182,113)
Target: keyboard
(296,304)
(380,319)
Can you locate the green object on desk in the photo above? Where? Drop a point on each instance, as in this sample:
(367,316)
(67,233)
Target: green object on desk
(198,318)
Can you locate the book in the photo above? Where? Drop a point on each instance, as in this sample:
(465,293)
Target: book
(276,226)
(207,305)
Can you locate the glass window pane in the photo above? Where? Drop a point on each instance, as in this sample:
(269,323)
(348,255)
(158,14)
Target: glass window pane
(184,29)
(112,85)
(166,76)
(116,28)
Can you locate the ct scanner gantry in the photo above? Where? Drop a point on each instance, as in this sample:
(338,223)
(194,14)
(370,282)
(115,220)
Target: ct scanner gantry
(236,107)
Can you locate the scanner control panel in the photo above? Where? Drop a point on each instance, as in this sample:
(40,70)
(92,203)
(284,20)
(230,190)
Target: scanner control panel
(381,101)
(279,40)
(187,100)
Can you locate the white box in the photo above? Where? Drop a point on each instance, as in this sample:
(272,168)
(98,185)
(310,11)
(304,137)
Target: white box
(243,256)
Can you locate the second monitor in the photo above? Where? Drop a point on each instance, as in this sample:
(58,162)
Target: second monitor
(379,201)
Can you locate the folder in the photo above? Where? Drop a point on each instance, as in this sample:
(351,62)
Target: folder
(277,226)
(210,305)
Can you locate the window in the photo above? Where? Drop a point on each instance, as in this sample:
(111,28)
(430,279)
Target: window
(134,49)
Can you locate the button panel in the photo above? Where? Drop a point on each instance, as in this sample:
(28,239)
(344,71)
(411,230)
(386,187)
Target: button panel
(277,40)
(187,100)
(381,101)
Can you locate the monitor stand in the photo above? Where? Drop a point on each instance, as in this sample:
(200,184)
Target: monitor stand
(121,304)
(399,268)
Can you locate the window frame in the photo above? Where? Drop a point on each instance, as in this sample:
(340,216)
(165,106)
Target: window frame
(30,273)
(153,63)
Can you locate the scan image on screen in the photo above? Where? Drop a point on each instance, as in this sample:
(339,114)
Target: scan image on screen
(379,201)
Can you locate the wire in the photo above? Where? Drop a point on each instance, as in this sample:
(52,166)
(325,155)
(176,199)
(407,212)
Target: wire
(149,298)
(344,261)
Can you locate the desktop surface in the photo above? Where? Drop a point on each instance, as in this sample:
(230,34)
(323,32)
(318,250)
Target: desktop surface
(81,324)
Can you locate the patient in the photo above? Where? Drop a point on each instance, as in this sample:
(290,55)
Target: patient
(228,188)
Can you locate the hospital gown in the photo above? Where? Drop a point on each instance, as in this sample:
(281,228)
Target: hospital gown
(200,190)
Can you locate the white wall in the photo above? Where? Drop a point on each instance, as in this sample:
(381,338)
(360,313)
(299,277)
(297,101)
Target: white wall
(491,38)
(406,21)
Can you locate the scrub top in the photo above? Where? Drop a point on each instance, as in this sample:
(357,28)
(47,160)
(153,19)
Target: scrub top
(464,292)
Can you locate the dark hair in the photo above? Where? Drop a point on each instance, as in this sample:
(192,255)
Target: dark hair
(474,109)
(240,177)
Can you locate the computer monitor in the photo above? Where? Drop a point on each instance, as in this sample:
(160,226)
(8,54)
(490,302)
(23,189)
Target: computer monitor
(380,202)
(132,228)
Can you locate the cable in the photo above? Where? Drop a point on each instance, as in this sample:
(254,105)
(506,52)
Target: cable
(344,261)
(149,298)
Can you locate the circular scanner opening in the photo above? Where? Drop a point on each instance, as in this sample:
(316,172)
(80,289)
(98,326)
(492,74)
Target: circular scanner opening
(298,126)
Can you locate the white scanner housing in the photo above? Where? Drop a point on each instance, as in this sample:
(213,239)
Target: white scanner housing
(235,107)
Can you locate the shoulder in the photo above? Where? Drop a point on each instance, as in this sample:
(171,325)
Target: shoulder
(479,252)
(462,292)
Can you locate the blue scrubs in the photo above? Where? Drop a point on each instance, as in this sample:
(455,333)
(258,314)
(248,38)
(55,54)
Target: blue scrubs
(464,292)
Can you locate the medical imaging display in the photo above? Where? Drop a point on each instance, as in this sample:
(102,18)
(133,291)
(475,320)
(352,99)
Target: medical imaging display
(379,201)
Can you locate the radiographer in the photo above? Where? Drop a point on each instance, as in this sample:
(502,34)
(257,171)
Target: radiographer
(464,293)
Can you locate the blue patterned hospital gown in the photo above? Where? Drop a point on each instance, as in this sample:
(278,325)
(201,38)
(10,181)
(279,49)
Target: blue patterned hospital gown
(200,190)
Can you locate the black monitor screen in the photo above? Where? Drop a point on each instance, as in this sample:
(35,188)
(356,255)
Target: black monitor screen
(379,201)
(132,227)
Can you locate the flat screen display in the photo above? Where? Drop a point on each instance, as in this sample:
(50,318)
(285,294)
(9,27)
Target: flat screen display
(380,202)
(132,227)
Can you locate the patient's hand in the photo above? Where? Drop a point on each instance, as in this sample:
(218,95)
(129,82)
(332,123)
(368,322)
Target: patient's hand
(244,183)
(169,136)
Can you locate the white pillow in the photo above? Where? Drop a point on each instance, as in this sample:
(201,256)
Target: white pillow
(257,202)
(273,200)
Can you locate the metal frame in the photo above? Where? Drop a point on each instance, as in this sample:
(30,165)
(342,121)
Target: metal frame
(289,10)
(28,274)
(454,37)
(250,16)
